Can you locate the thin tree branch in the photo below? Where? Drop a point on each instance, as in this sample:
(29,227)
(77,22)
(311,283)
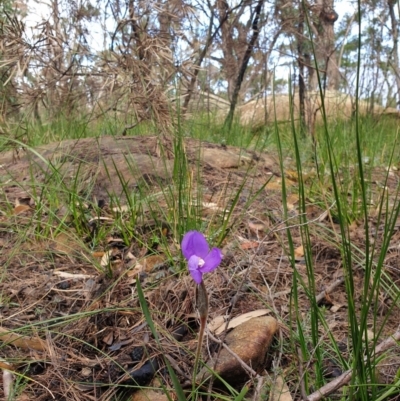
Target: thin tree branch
(245,62)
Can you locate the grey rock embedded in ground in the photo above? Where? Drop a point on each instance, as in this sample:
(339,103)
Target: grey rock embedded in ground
(250,342)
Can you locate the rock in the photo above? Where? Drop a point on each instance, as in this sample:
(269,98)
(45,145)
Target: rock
(250,342)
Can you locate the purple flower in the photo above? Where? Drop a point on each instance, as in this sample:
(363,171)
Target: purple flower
(200,259)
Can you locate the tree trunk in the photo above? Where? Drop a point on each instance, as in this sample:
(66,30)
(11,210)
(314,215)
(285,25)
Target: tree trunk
(395,51)
(245,62)
(325,54)
(229,62)
(301,63)
(199,61)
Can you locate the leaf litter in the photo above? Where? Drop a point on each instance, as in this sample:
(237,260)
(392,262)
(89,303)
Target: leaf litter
(73,294)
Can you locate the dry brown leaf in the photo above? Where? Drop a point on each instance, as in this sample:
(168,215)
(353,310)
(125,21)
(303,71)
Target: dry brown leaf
(23,342)
(299,252)
(249,245)
(5,365)
(291,201)
(135,271)
(238,320)
(149,394)
(336,307)
(292,174)
(274,186)
(146,264)
(21,209)
(108,338)
(280,390)
(353,226)
(105,260)
(150,262)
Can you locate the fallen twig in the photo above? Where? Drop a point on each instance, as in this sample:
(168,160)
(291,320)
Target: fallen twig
(329,289)
(258,392)
(177,368)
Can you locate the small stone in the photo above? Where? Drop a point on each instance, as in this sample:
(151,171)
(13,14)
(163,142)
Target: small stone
(250,342)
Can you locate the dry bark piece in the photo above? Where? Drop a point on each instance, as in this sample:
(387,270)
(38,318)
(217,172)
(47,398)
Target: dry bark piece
(250,342)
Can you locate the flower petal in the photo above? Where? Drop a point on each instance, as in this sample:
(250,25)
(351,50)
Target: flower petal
(194,243)
(211,261)
(197,276)
(193,264)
